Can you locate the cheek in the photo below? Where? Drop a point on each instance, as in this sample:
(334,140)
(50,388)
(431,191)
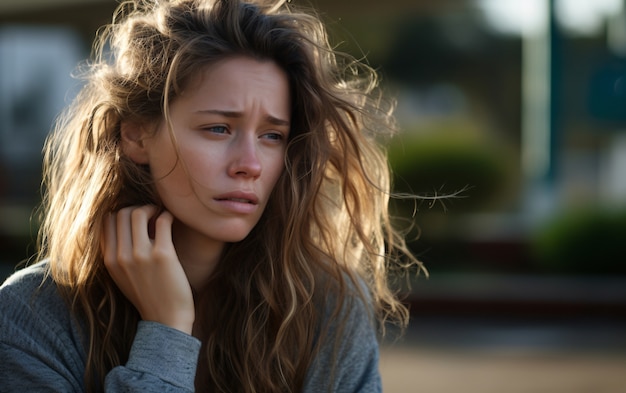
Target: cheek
(197,169)
(199,166)
(162,157)
(175,183)
(275,168)
(170,174)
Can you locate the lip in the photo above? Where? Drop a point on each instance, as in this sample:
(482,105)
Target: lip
(238,202)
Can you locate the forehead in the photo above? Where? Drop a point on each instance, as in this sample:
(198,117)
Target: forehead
(239,76)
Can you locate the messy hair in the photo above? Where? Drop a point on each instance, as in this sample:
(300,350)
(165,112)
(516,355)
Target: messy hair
(326,229)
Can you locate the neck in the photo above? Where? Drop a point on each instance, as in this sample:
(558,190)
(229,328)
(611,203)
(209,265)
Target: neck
(198,255)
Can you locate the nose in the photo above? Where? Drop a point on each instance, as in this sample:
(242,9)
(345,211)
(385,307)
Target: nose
(245,160)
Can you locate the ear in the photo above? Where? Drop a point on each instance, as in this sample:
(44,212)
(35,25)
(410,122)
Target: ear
(133,142)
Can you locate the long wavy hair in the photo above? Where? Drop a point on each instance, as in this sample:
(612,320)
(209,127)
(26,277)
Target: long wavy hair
(326,229)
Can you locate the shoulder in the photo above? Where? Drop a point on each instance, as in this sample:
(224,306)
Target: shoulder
(23,284)
(28,277)
(347,357)
(31,290)
(346,304)
(39,342)
(31,306)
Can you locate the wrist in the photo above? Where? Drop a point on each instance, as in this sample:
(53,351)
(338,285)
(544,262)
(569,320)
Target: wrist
(184,323)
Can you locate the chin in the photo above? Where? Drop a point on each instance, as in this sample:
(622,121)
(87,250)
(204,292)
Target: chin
(233,239)
(234,235)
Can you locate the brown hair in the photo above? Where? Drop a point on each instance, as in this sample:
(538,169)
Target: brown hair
(326,227)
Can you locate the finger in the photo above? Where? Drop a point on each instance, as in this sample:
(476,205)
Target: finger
(109,245)
(140,221)
(108,241)
(123,236)
(163,230)
(152,222)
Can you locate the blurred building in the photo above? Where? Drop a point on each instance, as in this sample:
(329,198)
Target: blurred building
(519,102)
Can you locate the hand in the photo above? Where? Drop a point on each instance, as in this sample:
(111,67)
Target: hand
(147,270)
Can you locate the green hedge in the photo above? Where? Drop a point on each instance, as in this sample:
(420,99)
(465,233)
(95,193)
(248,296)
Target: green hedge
(587,241)
(444,163)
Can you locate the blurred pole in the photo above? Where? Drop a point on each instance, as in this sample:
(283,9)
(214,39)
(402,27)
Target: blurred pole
(556,81)
(536,98)
(616,31)
(540,107)
(613,179)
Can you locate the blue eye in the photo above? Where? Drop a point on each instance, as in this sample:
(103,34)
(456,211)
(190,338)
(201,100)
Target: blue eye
(217,129)
(274,136)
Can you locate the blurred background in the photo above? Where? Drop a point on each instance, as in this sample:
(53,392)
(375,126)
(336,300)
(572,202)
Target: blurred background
(514,109)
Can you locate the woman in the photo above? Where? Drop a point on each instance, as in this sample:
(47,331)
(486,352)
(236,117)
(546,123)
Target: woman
(214,215)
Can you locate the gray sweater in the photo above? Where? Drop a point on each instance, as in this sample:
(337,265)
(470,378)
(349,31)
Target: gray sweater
(41,349)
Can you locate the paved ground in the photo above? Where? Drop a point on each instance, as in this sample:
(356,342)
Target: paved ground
(526,334)
(456,370)
(494,356)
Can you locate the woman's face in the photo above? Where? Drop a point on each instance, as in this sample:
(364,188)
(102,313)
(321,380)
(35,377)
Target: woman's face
(231,127)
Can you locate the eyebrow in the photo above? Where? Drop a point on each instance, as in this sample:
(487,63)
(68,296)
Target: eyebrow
(234,114)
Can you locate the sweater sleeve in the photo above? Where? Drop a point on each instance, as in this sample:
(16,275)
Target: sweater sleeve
(161,359)
(42,350)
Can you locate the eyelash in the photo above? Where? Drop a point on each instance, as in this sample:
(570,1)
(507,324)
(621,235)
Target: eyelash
(274,136)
